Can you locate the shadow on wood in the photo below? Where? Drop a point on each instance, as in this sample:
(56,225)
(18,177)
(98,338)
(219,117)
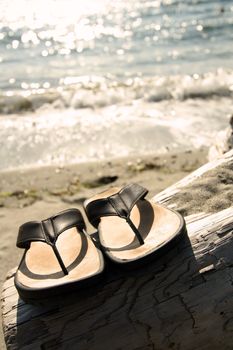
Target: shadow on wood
(118,314)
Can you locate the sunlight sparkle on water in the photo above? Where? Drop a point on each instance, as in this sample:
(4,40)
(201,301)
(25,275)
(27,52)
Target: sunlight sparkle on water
(66,22)
(33,14)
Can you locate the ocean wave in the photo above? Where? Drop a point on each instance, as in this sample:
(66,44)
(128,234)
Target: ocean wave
(99,92)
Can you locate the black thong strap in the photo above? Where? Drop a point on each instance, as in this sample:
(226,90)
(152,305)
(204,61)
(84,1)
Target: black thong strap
(48,231)
(119,204)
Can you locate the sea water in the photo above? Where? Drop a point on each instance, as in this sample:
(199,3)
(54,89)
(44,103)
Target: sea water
(96,79)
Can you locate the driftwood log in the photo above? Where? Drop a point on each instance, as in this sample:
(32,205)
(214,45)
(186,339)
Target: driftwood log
(183,300)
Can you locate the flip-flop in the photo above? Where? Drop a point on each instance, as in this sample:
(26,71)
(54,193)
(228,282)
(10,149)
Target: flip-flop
(132,229)
(59,257)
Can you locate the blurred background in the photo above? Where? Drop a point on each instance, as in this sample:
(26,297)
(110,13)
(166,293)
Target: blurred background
(98,79)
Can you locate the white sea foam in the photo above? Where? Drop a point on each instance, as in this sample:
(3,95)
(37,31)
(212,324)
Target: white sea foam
(98,92)
(69,135)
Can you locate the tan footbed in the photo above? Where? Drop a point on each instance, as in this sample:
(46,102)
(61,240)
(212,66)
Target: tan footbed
(41,261)
(157,224)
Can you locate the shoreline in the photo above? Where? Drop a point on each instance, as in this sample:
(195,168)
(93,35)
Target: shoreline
(36,183)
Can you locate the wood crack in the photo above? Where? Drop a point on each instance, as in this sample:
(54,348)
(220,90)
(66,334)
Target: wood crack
(188,310)
(133,320)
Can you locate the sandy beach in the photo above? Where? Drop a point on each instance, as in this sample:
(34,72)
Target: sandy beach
(35,194)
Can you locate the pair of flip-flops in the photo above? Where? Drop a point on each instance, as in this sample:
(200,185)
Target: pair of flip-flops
(61,257)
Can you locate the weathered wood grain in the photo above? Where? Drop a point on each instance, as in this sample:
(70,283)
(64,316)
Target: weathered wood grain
(169,192)
(182,301)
